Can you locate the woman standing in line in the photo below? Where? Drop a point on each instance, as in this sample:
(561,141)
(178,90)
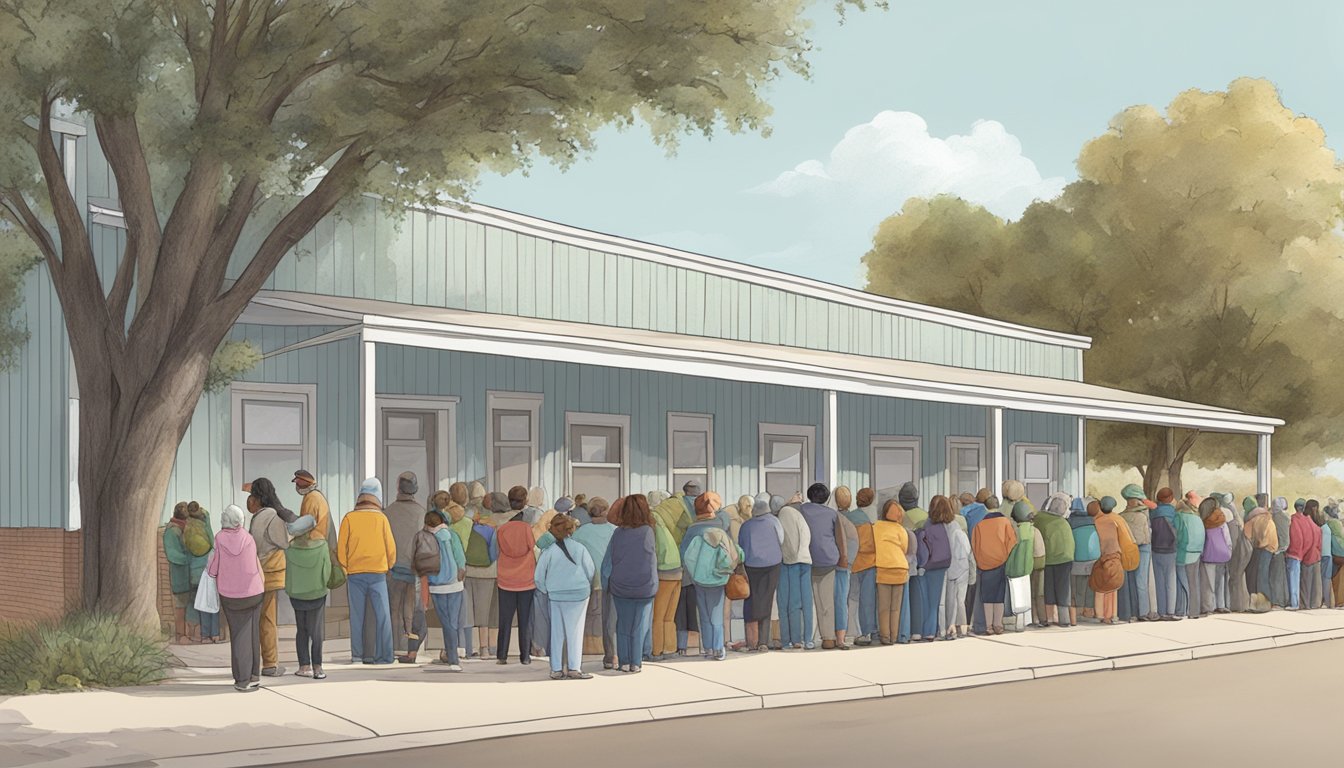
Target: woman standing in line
(991,543)
(892,543)
(630,576)
(565,575)
(237,571)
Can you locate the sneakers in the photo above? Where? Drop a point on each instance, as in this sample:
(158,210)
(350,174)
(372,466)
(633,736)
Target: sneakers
(454,667)
(318,674)
(863,640)
(557,675)
(276,671)
(578,674)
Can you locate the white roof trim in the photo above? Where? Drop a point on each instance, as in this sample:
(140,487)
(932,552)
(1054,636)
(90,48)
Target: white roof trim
(803,286)
(790,366)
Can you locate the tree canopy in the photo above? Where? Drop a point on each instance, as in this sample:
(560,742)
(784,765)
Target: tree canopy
(1198,248)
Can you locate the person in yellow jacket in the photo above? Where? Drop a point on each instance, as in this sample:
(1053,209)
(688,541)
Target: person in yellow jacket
(314,504)
(269,532)
(366,550)
(891,541)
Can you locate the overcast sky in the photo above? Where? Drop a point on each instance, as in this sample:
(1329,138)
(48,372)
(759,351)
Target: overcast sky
(987,100)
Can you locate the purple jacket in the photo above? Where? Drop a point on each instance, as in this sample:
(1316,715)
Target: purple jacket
(1217,545)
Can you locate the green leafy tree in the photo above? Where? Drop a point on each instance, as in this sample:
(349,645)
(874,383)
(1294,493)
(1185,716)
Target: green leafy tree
(1198,248)
(233,126)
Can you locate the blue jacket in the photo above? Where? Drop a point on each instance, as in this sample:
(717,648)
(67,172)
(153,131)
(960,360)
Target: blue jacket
(563,580)
(711,559)
(630,568)
(760,538)
(451,557)
(973,513)
(595,537)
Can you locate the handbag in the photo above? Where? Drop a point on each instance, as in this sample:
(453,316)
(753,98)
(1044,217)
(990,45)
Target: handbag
(1019,594)
(337,578)
(207,594)
(737,588)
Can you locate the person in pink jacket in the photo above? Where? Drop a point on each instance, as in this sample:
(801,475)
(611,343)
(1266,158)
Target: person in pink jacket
(237,571)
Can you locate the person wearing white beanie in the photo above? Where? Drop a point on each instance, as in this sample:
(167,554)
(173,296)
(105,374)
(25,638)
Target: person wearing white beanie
(366,550)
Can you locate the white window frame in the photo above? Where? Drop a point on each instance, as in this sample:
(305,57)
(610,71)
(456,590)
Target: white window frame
(620,421)
(809,468)
(303,394)
(445,408)
(690,422)
(1019,451)
(513,401)
(953,444)
(896,441)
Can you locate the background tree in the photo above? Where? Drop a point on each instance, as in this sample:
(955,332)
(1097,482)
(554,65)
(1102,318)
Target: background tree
(1198,248)
(233,126)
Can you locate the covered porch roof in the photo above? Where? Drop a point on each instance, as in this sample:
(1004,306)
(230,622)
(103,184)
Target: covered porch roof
(395,323)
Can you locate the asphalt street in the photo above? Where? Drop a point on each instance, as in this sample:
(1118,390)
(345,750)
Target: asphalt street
(1256,709)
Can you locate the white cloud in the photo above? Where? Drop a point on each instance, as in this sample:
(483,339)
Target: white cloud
(1333,469)
(879,165)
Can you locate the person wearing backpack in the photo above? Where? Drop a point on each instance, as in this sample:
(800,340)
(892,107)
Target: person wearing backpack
(1189,548)
(1022,560)
(1115,544)
(1057,535)
(452,503)
(1163,519)
(1086,551)
(1217,553)
(1133,597)
(934,557)
(992,543)
(437,557)
(199,539)
(179,572)
(307,572)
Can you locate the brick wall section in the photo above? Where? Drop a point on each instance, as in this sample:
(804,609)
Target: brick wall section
(39,572)
(164,600)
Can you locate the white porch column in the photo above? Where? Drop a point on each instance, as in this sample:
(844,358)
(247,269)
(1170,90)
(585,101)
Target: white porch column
(368,415)
(1262,465)
(996,473)
(830,452)
(1082,454)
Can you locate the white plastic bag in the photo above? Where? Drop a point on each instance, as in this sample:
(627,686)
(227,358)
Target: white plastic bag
(207,594)
(1019,594)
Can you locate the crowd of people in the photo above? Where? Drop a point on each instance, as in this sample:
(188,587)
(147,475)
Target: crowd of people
(639,574)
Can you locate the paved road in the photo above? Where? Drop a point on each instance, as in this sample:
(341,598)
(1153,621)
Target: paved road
(1260,709)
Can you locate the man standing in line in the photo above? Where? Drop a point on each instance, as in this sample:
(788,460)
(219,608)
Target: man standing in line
(406,517)
(314,504)
(827,547)
(365,549)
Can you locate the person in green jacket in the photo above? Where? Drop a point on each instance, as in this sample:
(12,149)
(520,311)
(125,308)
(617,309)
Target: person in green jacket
(179,574)
(1053,525)
(198,519)
(307,572)
(1189,547)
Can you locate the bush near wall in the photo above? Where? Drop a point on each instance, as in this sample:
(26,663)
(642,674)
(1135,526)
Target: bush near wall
(80,650)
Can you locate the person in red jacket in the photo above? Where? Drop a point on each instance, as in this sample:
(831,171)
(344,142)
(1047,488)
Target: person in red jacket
(517,566)
(1304,547)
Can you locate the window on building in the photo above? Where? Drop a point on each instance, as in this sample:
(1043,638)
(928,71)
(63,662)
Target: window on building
(965,464)
(417,434)
(787,458)
(1037,467)
(273,433)
(513,439)
(598,450)
(690,449)
(894,462)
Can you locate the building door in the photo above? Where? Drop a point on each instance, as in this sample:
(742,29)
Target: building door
(409,444)
(894,462)
(1037,467)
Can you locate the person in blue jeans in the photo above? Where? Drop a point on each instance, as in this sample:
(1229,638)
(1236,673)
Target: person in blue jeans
(863,570)
(934,556)
(630,575)
(795,583)
(1163,521)
(446,586)
(366,551)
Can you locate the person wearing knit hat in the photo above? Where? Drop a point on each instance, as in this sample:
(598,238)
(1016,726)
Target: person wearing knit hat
(1113,539)
(827,546)
(1057,588)
(580,510)
(983,495)
(916,594)
(1278,564)
(862,598)
(1133,597)
(366,550)
(407,518)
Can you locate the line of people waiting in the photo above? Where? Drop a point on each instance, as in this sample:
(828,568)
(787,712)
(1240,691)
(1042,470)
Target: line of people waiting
(640,574)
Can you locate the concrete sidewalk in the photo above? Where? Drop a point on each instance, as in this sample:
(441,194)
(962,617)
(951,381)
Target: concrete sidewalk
(198,721)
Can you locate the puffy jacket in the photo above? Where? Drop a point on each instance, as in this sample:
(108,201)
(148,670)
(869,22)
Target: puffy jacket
(563,580)
(1058,538)
(1189,538)
(892,543)
(711,557)
(935,549)
(307,569)
(1140,524)
(666,549)
(1164,529)
(993,541)
(761,539)
(630,568)
(1217,545)
(973,513)
(517,556)
(1304,541)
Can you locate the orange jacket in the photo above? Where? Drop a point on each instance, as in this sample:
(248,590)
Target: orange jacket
(992,540)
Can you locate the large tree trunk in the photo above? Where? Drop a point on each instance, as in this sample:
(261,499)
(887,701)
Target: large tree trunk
(124,467)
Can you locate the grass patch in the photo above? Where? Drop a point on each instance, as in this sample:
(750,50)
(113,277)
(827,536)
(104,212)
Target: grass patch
(81,650)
